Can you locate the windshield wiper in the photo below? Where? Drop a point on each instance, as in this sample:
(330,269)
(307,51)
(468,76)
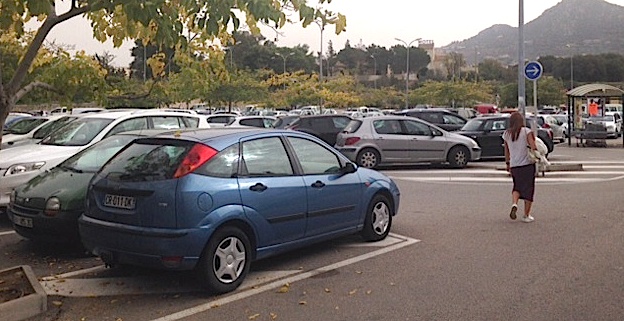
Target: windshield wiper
(71,169)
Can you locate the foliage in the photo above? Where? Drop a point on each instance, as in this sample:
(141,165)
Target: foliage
(458,93)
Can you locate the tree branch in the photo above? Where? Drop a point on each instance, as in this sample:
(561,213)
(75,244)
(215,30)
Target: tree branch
(35,84)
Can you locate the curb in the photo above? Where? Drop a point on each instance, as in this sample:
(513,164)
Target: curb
(29,305)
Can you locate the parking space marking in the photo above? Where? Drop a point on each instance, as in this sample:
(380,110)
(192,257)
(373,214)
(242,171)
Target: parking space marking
(248,292)
(7,233)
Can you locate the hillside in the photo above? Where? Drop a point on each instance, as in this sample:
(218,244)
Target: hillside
(570,27)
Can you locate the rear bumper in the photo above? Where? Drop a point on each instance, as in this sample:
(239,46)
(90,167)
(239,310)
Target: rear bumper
(123,244)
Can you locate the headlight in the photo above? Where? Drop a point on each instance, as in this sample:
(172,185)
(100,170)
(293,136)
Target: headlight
(23,168)
(52,206)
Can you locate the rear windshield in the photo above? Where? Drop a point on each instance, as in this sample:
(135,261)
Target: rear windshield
(352,126)
(46,129)
(147,160)
(77,133)
(473,125)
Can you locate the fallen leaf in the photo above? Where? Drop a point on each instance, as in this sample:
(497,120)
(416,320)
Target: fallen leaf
(392,283)
(327,290)
(352,292)
(215,306)
(359,272)
(284,289)
(113,301)
(303,302)
(273,316)
(369,292)
(57,303)
(253,317)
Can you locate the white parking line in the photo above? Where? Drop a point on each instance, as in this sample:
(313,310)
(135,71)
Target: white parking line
(7,233)
(278,283)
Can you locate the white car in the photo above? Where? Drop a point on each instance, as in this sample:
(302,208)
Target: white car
(21,163)
(24,129)
(253,121)
(612,121)
(220,120)
(42,132)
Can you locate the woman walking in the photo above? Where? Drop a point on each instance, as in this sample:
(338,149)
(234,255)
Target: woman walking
(517,137)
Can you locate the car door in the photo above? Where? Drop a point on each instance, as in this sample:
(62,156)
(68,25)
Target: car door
(393,144)
(426,142)
(491,138)
(333,197)
(274,197)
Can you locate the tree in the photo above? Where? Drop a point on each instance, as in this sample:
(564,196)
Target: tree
(163,23)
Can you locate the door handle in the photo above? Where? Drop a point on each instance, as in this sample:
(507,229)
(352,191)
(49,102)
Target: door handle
(259,187)
(318,184)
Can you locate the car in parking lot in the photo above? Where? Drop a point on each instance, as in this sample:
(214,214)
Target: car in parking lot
(440,117)
(374,141)
(24,129)
(47,207)
(325,127)
(487,130)
(21,163)
(252,121)
(214,200)
(612,122)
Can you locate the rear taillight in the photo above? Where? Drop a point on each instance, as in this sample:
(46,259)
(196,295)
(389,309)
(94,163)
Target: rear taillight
(196,157)
(352,141)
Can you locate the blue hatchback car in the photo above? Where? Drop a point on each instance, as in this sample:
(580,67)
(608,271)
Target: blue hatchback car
(214,200)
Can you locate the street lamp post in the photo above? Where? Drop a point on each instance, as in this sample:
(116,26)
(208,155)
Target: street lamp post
(284,58)
(407,45)
(571,66)
(521,84)
(375,70)
(321,26)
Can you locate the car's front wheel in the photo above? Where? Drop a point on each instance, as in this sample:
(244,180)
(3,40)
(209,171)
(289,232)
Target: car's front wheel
(368,158)
(225,260)
(378,219)
(458,157)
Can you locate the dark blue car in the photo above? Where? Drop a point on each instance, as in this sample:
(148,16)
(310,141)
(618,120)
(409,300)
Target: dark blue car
(214,200)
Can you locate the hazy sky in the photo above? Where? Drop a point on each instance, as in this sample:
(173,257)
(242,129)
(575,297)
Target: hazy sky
(368,21)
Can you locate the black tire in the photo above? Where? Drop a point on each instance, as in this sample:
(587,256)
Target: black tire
(378,219)
(225,261)
(368,158)
(458,157)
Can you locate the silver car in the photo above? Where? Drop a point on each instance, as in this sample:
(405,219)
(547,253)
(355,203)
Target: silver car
(398,139)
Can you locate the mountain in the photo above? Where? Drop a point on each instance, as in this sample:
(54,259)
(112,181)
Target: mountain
(572,27)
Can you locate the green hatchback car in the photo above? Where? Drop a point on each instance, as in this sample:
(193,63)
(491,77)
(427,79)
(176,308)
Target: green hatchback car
(47,207)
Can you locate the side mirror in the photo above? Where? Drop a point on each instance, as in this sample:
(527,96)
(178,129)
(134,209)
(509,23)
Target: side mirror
(349,168)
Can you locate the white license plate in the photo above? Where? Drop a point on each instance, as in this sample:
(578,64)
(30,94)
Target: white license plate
(118,201)
(23,221)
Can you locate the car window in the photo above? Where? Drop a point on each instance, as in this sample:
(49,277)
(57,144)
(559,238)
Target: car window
(452,119)
(25,125)
(224,164)
(77,133)
(434,118)
(473,125)
(189,122)
(265,157)
(267,122)
(314,158)
(416,128)
(340,122)
(147,160)
(52,126)
(92,159)
(353,126)
(220,119)
(138,123)
(387,127)
(495,124)
(255,122)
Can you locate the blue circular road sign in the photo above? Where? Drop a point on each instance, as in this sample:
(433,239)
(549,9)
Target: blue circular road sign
(533,70)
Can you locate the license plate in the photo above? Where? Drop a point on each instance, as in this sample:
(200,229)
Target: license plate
(119,201)
(23,221)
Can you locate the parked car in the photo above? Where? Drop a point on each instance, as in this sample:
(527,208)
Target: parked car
(42,132)
(220,120)
(13,117)
(47,207)
(440,117)
(325,127)
(21,163)
(374,141)
(562,121)
(487,131)
(24,129)
(212,201)
(252,121)
(612,121)
(549,123)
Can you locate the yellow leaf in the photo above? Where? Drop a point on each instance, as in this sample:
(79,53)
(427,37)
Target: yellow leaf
(283,289)
(253,317)
(273,316)
(303,302)
(327,290)
(57,303)
(352,292)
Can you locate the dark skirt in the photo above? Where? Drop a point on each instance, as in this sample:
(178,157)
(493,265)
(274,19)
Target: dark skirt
(524,181)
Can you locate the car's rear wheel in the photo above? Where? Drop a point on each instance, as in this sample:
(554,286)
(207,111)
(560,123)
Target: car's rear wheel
(378,219)
(368,158)
(225,260)
(458,157)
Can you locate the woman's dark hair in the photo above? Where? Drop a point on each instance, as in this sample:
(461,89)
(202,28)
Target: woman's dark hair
(516,122)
